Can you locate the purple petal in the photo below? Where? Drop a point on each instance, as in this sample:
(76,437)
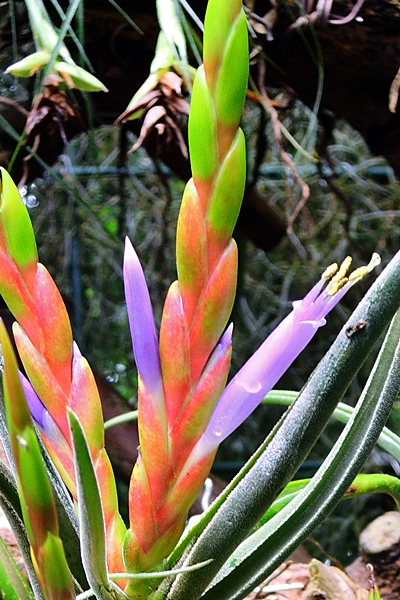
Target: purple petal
(267,365)
(141,322)
(258,376)
(41,415)
(36,406)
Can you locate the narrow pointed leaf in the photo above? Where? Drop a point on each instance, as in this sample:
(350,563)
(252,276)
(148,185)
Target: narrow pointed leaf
(12,583)
(19,531)
(91,521)
(262,552)
(371,483)
(388,440)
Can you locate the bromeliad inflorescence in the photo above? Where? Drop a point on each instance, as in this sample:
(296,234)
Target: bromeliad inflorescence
(185,411)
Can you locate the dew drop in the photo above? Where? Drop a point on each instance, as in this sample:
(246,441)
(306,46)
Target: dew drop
(31,201)
(252,387)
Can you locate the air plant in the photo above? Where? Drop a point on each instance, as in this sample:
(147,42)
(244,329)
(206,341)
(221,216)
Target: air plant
(51,54)
(185,408)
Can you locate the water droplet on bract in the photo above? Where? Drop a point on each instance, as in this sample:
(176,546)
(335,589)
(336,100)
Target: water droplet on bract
(31,201)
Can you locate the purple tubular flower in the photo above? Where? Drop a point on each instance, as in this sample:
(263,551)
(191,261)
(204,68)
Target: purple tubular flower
(141,322)
(41,415)
(262,371)
(36,406)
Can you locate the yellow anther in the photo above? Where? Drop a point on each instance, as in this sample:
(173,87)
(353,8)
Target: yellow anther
(362,271)
(329,272)
(344,267)
(359,273)
(336,285)
(337,277)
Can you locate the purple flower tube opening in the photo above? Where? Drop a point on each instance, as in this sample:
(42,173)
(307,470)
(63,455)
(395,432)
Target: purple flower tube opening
(263,370)
(141,322)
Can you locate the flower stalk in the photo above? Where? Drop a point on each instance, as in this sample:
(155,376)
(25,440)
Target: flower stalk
(193,355)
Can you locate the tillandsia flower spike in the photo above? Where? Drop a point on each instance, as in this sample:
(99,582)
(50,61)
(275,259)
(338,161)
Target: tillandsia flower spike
(37,502)
(59,376)
(180,382)
(267,365)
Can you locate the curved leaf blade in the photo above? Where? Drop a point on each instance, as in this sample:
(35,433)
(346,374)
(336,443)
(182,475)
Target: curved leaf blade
(263,551)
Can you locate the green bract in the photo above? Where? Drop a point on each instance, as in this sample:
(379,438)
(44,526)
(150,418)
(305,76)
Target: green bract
(16,225)
(202,129)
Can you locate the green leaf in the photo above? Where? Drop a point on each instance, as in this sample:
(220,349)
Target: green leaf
(229,106)
(388,440)
(30,64)
(216,33)
(371,483)
(11,506)
(91,520)
(12,583)
(67,520)
(81,79)
(19,531)
(227,194)
(171,26)
(279,457)
(159,574)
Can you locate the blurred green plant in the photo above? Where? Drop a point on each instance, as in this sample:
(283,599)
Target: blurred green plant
(51,53)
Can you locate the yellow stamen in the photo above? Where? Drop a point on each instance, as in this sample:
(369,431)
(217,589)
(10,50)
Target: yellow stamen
(329,272)
(344,267)
(362,271)
(335,286)
(340,276)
